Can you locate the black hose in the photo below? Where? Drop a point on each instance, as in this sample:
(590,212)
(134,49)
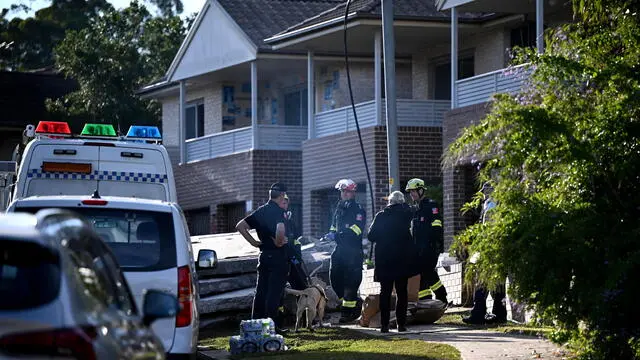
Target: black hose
(355,117)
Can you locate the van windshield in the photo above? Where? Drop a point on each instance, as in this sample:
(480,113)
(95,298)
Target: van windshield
(140,240)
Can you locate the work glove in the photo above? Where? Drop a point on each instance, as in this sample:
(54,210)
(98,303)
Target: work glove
(330,236)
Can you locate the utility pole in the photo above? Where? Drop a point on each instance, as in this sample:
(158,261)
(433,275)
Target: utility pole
(389,53)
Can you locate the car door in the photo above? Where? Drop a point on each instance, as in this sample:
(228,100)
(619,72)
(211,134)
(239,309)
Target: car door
(145,341)
(138,340)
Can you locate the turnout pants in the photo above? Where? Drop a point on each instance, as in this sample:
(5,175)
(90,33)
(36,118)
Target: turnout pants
(430,283)
(346,275)
(480,303)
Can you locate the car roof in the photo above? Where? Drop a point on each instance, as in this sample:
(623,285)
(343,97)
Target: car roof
(21,226)
(113,202)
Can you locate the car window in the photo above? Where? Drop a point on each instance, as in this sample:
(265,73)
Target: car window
(29,274)
(93,280)
(140,240)
(125,300)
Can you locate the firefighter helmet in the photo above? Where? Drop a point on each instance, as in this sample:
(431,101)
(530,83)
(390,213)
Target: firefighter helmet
(414,184)
(346,185)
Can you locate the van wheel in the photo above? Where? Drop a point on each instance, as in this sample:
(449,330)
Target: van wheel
(249,347)
(271,346)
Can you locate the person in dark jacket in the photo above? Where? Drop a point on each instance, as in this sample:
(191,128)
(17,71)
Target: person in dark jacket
(394,252)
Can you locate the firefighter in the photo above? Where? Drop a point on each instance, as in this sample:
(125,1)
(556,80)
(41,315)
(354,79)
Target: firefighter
(346,260)
(426,228)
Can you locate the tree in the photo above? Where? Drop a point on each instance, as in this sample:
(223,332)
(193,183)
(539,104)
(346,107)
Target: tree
(563,158)
(112,58)
(29,43)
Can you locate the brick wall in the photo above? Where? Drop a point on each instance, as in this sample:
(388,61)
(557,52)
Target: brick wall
(237,178)
(270,166)
(328,159)
(459,182)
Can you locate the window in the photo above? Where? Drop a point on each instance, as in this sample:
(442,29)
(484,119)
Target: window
(29,275)
(443,76)
(194,116)
(140,240)
(295,107)
(524,36)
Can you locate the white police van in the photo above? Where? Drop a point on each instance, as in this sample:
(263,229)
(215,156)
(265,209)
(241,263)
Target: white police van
(55,162)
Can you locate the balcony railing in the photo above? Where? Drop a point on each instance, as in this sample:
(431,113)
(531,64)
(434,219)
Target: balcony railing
(409,113)
(480,88)
(270,137)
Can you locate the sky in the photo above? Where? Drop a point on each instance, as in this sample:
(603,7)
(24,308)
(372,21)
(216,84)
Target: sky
(190,6)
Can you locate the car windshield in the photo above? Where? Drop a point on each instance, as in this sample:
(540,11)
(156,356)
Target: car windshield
(140,240)
(29,274)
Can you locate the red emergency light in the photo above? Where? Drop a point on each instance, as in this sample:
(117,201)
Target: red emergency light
(53,127)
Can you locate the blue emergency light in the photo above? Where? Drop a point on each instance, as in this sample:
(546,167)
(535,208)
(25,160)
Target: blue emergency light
(144,132)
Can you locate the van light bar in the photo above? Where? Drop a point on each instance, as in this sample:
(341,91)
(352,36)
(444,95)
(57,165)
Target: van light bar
(80,168)
(144,132)
(53,127)
(98,130)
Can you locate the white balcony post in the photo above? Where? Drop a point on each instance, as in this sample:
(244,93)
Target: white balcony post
(254,104)
(540,26)
(182,129)
(377,65)
(311,96)
(454,57)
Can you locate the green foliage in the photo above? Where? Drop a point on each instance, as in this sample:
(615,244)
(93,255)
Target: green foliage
(116,55)
(28,43)
(564,161)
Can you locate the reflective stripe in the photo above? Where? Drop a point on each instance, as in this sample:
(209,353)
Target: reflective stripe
(296,242)
(99,175)
(348,304)
(436,286)
(333,228)
(436,223)
(281,309)
(356,229)
(423,293)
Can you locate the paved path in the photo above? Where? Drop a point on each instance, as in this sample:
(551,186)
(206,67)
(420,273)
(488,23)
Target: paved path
(476,344)
(473,344)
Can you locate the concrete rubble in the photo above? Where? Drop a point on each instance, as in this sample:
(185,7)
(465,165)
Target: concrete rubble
(229,288)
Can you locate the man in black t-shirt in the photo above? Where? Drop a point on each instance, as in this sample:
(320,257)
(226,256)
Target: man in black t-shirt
(269,222)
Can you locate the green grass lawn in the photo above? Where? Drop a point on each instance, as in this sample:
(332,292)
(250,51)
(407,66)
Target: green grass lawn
(338,343)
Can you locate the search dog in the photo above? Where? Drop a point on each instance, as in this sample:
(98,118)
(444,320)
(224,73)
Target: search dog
(311,301)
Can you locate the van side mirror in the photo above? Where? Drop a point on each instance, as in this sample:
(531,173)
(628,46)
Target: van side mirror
(158,305)
(207,259)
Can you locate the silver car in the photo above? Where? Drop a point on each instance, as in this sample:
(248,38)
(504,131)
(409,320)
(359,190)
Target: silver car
(63,295)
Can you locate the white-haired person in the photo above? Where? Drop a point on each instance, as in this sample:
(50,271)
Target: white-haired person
(394,257)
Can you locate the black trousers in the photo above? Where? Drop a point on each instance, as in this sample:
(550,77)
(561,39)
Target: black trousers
(345,274)
(401,301)
(480,303)
(273,267)
(429,278)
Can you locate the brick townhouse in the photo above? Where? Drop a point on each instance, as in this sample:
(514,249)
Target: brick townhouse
(258,93)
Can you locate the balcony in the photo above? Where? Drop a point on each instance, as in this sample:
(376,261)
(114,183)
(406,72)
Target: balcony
(409,113)
(270,137)
(481,88)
